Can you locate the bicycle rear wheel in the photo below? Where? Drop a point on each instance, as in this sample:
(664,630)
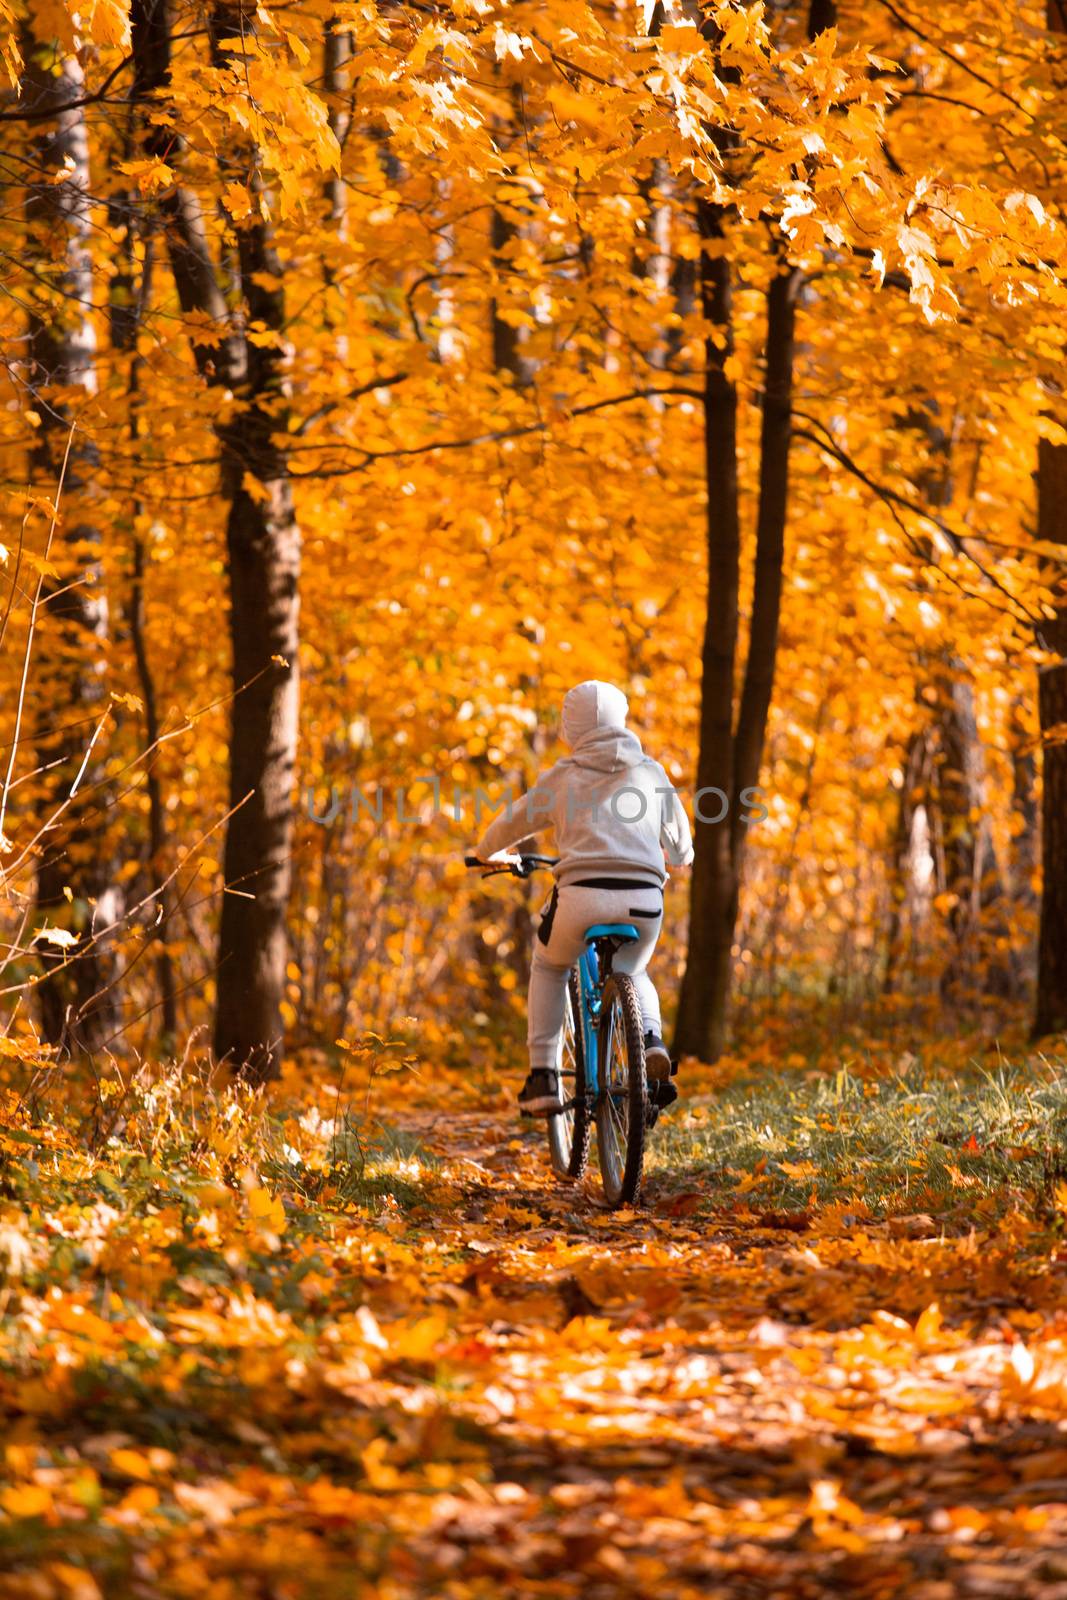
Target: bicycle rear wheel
(621,1105)
(568,1131)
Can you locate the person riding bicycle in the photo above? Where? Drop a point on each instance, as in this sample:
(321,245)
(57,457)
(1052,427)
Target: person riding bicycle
(616,815)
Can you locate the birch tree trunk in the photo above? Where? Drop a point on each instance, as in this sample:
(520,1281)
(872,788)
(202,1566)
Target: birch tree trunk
(77,861)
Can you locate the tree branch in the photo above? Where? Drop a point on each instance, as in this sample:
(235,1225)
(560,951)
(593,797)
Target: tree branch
(494,437)
(972,72)
(49,115)
(353,394)
(893,498)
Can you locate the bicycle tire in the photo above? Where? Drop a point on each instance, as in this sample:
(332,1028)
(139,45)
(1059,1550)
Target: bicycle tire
(569,1131)
(622,1102)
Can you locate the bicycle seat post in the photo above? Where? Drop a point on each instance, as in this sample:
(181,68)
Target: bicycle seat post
(606,937)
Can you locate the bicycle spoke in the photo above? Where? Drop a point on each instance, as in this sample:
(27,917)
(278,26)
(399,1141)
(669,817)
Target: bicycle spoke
(569,1056)
(616,1125)
(562,1125)
(614,1106)
(612,1153)
(620,1119)
(620,1116)
(614,1044)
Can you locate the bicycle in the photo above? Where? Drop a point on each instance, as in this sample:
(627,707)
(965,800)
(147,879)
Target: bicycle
(601,1063)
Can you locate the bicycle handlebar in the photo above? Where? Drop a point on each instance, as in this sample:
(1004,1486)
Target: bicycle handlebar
(517,865)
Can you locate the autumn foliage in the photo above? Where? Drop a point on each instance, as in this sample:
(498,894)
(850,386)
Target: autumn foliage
(372,373)
(439,323)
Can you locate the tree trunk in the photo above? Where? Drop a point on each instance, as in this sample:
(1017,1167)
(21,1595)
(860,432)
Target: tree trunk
(702,1003)
(651,261)
(1050,1012)
(263,545)
(77,1007)
(157,827)
(1025,858)
(506,343)
(128,299)
(731,755)
(1051,1008)
(336,63)
(980,963)
(511,367)
(505,230)
(822,14)
(128,308)
(263,548)
(910,861)
(775,437)
(337,57)
(683,283)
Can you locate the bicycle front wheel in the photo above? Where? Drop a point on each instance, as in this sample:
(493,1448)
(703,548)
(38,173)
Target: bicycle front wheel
(620,1115)
(568,1131)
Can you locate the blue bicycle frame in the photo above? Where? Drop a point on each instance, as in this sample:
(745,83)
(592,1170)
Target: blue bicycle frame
(589,985)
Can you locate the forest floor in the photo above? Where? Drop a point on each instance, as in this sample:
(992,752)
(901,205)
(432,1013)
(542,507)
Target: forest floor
(363,1343)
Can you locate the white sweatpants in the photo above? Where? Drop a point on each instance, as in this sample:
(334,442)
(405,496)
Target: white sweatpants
(576,910)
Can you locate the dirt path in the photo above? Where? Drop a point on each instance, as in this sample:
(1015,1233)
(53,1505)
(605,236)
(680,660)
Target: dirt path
(238,1359)
(677,1404)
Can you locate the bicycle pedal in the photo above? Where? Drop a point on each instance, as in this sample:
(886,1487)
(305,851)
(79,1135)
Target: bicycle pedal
(662,1094)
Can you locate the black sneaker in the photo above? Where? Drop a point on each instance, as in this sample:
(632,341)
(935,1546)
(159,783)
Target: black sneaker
(661,1094)
(540,1092)
(657,1059)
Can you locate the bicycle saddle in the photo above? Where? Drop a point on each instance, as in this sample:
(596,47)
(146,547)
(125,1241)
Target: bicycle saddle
(623,931)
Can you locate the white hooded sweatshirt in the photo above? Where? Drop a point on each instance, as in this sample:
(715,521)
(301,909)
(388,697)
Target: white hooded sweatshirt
(613,809)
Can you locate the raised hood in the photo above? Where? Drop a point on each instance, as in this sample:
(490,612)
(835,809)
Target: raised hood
(594,725)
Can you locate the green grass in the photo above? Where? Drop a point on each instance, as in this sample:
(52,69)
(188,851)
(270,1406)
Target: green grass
(909,1142)
(362,1167)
